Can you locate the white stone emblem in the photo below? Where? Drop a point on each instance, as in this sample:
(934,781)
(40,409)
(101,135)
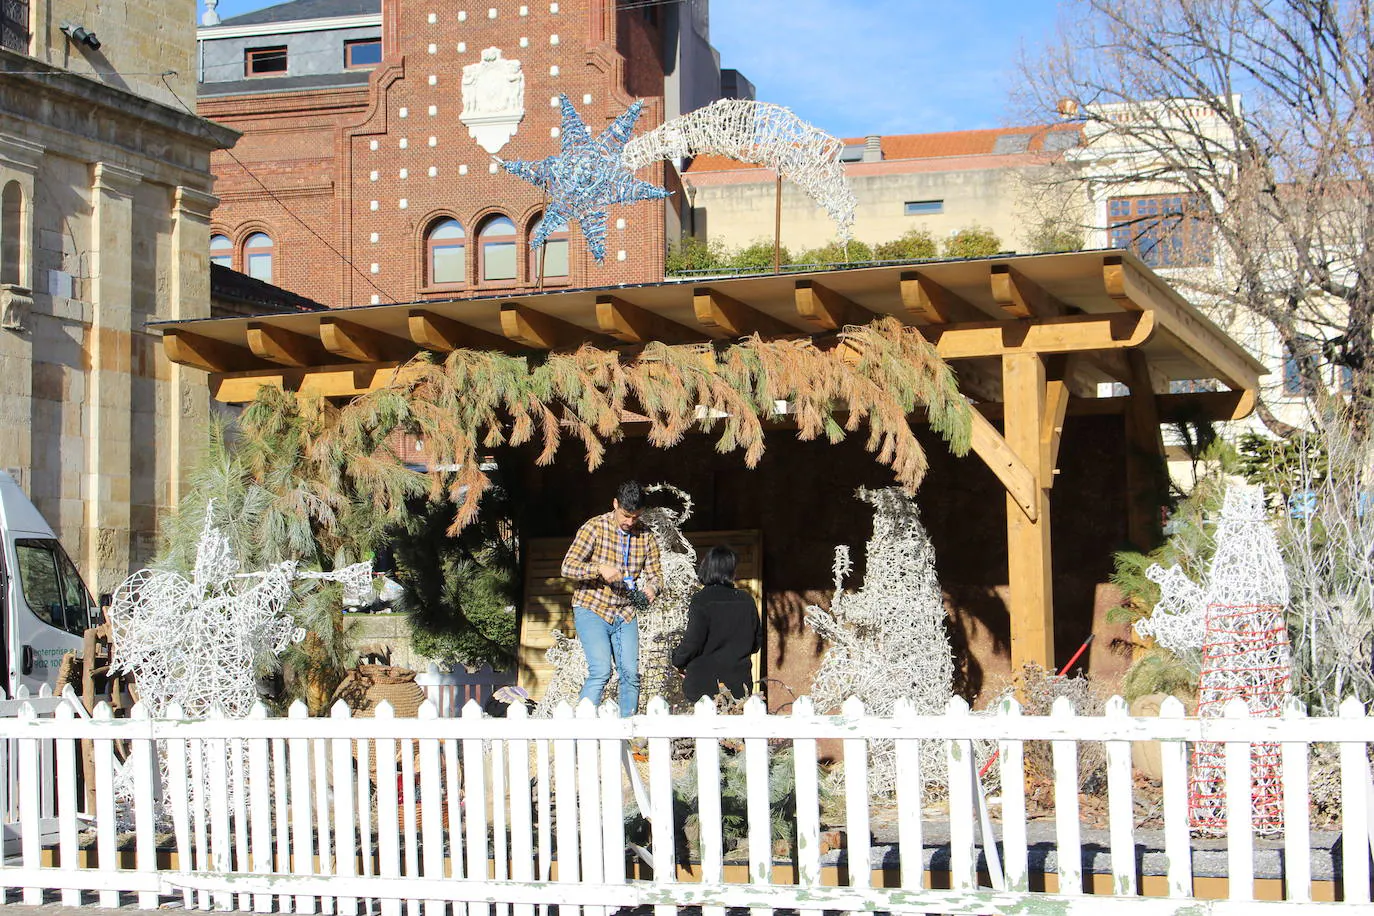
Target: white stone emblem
(493,99)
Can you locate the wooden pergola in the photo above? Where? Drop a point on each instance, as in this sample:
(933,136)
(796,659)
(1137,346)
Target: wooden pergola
(1031,338)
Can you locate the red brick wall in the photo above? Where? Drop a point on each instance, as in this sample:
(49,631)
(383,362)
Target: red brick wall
(315,151)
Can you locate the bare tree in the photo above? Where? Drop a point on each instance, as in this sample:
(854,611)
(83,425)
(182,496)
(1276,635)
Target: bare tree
(1259,116)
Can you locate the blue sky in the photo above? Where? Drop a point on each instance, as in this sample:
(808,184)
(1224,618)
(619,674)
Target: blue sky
(858,67)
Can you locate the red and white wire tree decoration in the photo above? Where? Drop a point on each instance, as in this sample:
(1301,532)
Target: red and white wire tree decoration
(1237,621)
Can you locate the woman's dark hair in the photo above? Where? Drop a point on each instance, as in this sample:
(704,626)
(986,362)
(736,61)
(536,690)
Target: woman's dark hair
(718,566)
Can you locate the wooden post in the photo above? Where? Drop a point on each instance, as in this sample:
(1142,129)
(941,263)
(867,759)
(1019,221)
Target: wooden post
(777,227)
(1147,475)
(1031,602)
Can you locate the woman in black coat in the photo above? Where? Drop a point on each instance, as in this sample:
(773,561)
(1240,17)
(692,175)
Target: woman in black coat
(723,632)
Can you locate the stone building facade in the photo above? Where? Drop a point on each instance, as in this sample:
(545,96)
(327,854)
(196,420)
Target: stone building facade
(368,168)
(106,197)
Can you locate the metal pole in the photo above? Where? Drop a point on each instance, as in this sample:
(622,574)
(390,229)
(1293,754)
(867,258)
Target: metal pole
(777,228)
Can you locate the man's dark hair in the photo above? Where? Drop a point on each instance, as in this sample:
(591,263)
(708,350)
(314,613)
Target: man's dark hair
(630,496)
(718,567)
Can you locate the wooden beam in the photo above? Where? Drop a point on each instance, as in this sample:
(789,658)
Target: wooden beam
(633,324)
(200,352)
(1031,600)
(1052,430)
(361,344)
(1021,297)
(441,334)
(536,329)
(717,311)
(1064,334)
(287,348)
(1178,323)
(989,445)
(826,308)
(317,381)
(927,299)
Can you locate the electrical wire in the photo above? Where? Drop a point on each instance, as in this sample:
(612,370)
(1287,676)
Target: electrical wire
(290,212)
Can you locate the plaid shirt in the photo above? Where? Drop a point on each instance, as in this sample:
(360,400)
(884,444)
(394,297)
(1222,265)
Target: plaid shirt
(600,542)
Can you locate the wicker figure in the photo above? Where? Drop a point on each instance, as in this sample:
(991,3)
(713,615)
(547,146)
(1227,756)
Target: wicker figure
(887,641)
(1245,652)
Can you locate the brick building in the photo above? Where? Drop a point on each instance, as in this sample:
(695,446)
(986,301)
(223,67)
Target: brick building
(367,169)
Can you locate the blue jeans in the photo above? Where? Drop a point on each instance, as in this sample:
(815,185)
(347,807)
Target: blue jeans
(602,642)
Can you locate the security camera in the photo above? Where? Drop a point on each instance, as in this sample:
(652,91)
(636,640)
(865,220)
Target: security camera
(80,34)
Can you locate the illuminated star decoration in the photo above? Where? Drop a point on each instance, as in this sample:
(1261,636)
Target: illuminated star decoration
(586,177)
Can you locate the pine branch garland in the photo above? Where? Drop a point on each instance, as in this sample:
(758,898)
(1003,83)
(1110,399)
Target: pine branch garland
(874,375)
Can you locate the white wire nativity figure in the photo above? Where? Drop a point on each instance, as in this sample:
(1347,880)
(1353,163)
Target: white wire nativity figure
(887,641)
(196,645)
(1237,621)
(661,625)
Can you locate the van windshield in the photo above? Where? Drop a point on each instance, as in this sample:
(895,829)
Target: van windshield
(52,588)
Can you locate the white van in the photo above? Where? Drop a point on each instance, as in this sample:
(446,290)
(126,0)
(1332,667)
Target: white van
(44,606)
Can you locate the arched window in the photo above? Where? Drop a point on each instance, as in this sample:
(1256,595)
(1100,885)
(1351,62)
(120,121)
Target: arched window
(496,249)
(257,256)
(445,257)
(554,254)
(12,234)
(221,250)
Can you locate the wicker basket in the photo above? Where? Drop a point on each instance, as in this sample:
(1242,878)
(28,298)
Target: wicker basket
(366,686)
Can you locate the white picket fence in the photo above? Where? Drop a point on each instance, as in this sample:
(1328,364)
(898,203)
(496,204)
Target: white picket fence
(349,816)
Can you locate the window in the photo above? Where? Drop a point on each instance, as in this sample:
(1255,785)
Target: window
(496,249)
(366,52)
(447,254)
(221,250)
(554,254)
(923,207)
(1164,230)
(14,25)
(52,589)
(1293,365)
(11,232)
(263,61)
(257,256)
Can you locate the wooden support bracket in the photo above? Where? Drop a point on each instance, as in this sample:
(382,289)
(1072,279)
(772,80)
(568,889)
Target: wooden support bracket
(826,308)
(1021,297)
(927,299)
(541,331)
(717,311)
(441,334)
(632,324)
(286,348)
(1020,483)
(354,342)
(206,353)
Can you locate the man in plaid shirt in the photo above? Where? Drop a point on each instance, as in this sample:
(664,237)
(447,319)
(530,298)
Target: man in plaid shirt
(614,561)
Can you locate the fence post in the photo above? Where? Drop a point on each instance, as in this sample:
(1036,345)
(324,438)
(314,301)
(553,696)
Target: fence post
(30,801)
(1355,805)
(475,800)
(963,809)
(589,800)
(521,818)
(1178,849)
(66,801)
(1067,831)
(105,826)
(259,807)
(1240,840)
(388,831)
(1120,804)
(142,758)
(1297,839)
(709,828)
(431,803)
(1011,753)
(345,832)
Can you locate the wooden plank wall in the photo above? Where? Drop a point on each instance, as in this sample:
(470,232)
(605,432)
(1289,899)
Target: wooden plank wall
(548,596)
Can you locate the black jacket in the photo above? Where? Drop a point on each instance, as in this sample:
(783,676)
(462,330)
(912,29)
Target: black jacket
(723,631)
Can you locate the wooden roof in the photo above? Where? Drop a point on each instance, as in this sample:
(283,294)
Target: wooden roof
(1090,308)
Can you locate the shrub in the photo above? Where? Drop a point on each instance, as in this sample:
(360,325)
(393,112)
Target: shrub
(757,255)
(1055,235)
(972,242)
(836,252)
(914,244)
(690,254)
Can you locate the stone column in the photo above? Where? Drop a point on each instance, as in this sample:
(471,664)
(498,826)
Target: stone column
(19,161)
(109,381)
(188,401)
